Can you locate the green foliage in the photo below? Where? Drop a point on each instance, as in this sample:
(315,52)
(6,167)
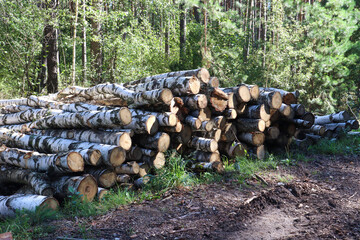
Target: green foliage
(28,224)
(343,146)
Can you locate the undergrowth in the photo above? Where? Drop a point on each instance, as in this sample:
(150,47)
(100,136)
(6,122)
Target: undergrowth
(28,225)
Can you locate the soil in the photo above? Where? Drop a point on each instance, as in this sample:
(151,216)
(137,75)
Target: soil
(319,199)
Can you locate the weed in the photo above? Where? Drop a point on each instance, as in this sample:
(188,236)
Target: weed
(343,146)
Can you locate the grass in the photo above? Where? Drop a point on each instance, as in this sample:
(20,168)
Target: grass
(28,225)
(343,146)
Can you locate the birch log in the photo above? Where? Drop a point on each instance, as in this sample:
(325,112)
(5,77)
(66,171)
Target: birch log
(203,144)
(195,102)
(10,204)
(128,168)
(58,163)
(85,186)
(143,124)
(228,134)
(202,74)
(157,161)
(258,112)
(179,86)
(271,99)
(104,177)
(38,181)
(250,125)
(14,108)
(111,155)
(134,154)
(232,149)
(166,119)
(241,92)
(160,141)
(201,156)
(27,116)
(121,139)
(254,138)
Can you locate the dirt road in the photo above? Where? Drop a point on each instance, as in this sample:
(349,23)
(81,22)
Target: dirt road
(319,199)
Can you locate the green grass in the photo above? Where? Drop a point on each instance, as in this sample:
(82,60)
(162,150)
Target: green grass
(175,174)
(343,146)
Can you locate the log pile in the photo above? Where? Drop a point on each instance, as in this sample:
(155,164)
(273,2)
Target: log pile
(87,140)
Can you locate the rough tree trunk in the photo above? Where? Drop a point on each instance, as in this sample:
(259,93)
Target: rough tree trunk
(27,116)
(10,204)
(85,185)
(111,155)
(104,177)
(250,125)
(203,144)
(160,141)
(121,139)
(166,119)
(58,163)
(38,181)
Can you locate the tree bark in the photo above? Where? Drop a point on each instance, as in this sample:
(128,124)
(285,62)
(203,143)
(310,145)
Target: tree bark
(203,144)
(182,33)
(232,149)
(58,163)
(27,116)
(128,168)
(10,204)
(228,133)
(111,155)
(157,161)
(95,44)
(241,92)
(160,141)
(166,119)
(195,102)
(121,139)
(257,112)
(254,138)
(104,177)
(201,73)
(141,124)
(250,125)
(38,181)
(85,186)
(180,86)
(134,154)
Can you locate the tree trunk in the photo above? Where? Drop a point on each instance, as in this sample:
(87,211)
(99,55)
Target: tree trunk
(203,144)
(73,75)
(135,154)
(194,123)
(95,44)
(93,119)
(111,155)
(180,86)
(228,133)
(299,109)
(160,141)
(104,177)
(195,102)
(121,139)
(272,99)
(250,125)
(101,193)
(85,186)
(9,205)
(242,93)
(201,156)
(128,168)
(157,161)
(208,166)
(84,48)
(166,119)
(202,114)
(14,109)
(122,178)
(58,163)
(201,73)
(27,116)
(182,34)
(257,112)
(232,149)
(38,181)
(143,124)
(254,138)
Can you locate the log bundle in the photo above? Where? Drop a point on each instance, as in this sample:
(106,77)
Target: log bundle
(87,140)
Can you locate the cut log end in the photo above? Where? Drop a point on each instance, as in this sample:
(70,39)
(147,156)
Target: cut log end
(125,116)
(159,161)
(204,75)
(244,93)
(125,141)
(164,142)
(94,157)
(258,138)
(254,92)
(107,179)
(265,112)
(88,188)
(117,156)
(50,203)
(75,162)
(194,85)
(276,100)
(261,152)
(166,96)
(152,125)
(213,145)
(261,125)
(173,120)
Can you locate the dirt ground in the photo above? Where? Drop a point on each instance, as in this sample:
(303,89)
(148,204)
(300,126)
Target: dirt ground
(312,200)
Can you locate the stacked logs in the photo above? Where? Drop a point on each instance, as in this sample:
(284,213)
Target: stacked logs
(87,140)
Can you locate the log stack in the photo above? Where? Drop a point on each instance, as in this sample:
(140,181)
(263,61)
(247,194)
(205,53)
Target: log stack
(86,140)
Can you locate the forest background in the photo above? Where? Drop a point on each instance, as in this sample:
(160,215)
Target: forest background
(309,45)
